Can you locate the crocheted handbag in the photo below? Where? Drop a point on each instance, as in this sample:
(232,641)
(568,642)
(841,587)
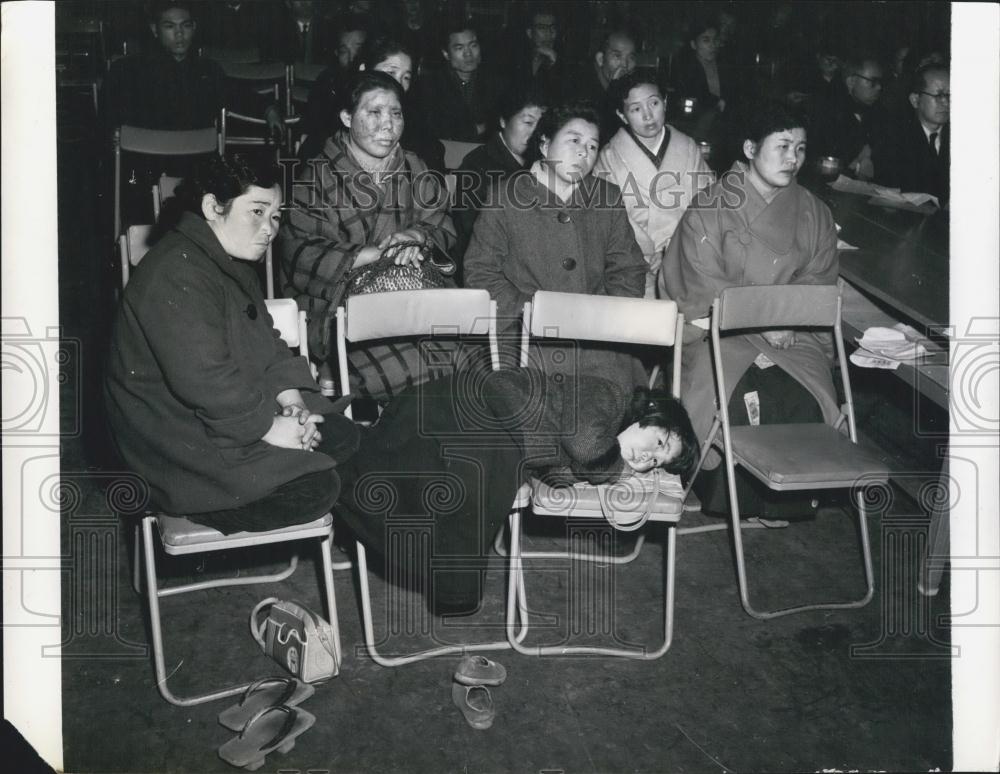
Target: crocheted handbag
(384,275)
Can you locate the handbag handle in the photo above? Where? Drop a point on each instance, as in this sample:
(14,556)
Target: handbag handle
(256,627)
(630,526)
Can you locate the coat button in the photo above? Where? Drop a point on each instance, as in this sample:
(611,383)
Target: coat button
(563,217)
(569,264)
(746,238)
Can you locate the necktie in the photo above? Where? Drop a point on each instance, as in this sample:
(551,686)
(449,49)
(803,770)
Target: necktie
(932,143)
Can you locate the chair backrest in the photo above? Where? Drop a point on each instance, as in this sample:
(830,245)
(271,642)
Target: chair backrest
(407,313)
(289,322)
(455,151)
(163,142)
(603,318)
(779,306)
(159,142)
(273,77)
(229,56)
(132,246)
(163,189)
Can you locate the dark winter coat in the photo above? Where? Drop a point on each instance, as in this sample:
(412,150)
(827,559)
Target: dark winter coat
(194,369)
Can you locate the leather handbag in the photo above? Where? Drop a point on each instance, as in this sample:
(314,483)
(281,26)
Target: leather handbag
(298,639)
(384,275)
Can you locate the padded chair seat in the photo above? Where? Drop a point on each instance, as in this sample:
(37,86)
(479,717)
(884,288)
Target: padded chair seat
(178,533)
(626,497)
(805,456)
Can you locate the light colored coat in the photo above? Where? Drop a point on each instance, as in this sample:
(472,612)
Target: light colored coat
(735,238)
(654,198)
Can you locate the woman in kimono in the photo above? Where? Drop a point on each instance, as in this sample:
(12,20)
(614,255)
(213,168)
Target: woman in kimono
(557,227)
(756,226)
(658,168)
(362,195)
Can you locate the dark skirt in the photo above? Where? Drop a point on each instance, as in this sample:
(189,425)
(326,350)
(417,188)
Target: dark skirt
(431,484)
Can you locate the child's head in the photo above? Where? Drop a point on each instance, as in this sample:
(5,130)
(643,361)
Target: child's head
(659,435)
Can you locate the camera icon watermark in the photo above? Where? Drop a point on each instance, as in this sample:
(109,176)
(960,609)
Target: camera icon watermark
(34,369)
(973,382)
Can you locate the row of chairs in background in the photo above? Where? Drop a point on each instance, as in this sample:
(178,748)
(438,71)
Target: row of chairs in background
(824,458)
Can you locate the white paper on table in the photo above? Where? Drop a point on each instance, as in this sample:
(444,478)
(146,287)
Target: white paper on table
(890,195)
(899,343)
(865,359)
(850,185)
(842,245)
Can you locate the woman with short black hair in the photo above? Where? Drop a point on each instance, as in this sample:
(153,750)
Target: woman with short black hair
(204,399)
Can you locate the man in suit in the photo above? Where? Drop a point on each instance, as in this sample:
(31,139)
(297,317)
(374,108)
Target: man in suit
(915,156)
(851,124)
(614,59)
(458,102)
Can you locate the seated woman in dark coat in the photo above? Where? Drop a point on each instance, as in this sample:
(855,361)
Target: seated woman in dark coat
(204,399)
(558,227)
(458,449)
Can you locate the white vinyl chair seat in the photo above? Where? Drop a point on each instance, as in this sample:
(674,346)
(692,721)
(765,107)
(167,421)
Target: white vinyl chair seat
(180,535)
(626,497)
(805,456)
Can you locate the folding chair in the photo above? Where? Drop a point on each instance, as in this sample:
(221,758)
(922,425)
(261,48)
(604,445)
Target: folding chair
(228,138)
(303,77)
(611,319)
(793,456)
(455,151)
(132,247)
(181,537)
(158,142)
(163,189)
(265,78)
(451,312)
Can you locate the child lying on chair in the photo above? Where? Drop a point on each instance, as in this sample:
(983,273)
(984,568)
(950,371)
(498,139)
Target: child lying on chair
(585,428)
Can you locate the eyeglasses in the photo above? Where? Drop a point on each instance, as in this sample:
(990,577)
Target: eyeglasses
(875,82)
(944,96)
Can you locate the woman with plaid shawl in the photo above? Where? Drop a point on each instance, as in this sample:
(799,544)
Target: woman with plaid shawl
(362,194)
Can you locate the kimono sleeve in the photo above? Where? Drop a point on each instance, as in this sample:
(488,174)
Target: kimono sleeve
(693,270)
(823,267)
(316,245)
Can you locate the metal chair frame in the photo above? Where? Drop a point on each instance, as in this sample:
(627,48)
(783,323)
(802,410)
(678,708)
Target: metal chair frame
(159,142)
(180,537)
(404,314)
(809,306)
(584,317)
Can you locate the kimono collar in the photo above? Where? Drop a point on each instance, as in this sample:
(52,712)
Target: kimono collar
(773,223)
(342,161)
(198,231)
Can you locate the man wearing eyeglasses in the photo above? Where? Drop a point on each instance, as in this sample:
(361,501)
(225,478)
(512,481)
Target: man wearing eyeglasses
(916,156)
(852,124)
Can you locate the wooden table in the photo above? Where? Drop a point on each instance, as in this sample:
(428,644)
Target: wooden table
(902,260)
(901,267)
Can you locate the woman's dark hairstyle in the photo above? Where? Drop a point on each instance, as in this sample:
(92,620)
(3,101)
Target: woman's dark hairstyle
(363,82)
(619,90)
(380,48)
(555,118)
(514,100)
(768,118)
(226,178)
(660,409)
